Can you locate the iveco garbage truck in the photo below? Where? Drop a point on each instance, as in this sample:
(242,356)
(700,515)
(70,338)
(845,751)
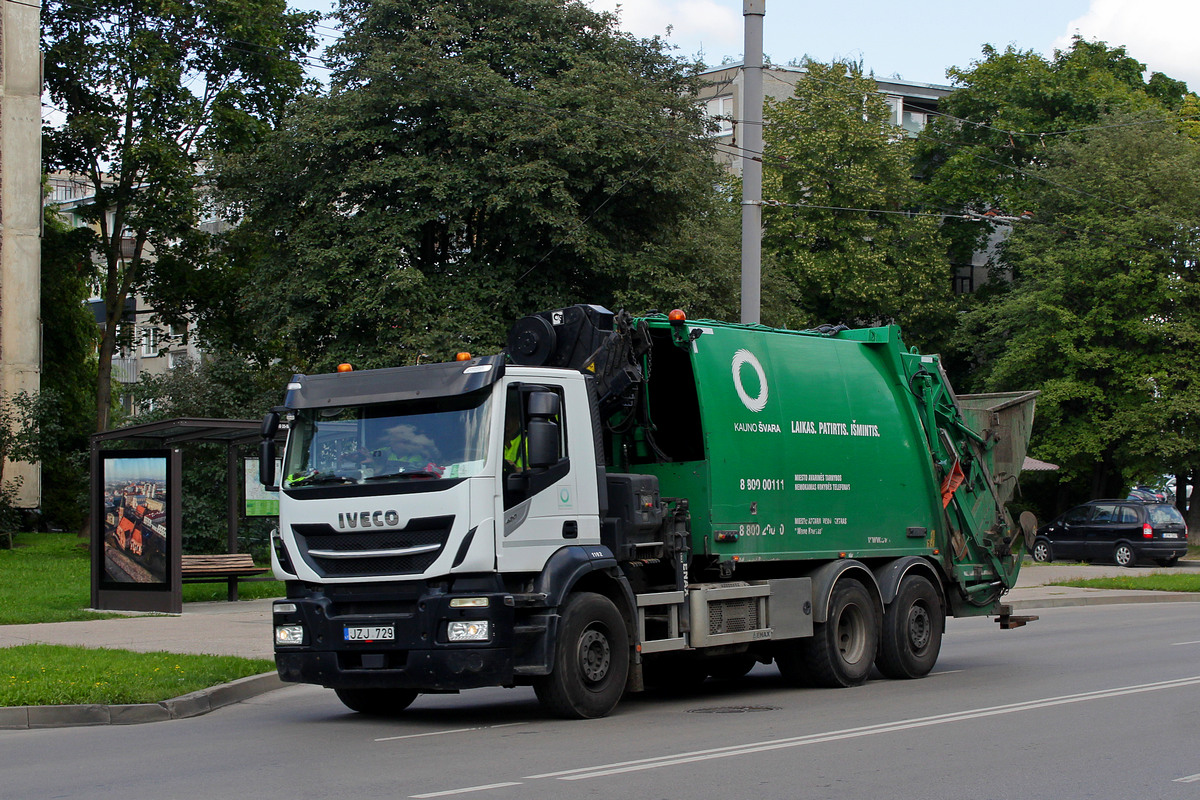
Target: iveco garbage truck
(618,502)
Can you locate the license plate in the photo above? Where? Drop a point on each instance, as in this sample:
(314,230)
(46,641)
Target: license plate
(1170,535)
(370,633)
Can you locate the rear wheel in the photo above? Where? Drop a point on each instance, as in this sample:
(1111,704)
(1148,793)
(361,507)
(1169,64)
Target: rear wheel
(377,702)
(1041,551)
(1124,556)
(912,630)
(591,660)
(843,647)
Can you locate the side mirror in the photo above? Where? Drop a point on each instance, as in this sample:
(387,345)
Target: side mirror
(266,462)
(270,424)
(543,437)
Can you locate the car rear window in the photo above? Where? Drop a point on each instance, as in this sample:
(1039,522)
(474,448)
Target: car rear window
(1162,514)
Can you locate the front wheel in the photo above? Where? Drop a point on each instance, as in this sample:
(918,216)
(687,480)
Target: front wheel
(1124,556)
(377,702)
(843,647)
(912,630)
(591,660)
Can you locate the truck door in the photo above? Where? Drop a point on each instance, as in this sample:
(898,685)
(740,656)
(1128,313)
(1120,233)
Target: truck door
(540,492)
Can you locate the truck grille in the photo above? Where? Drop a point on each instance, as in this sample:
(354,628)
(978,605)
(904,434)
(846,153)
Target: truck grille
(377,552)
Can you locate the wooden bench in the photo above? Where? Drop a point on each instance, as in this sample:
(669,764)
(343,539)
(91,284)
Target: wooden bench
(229,567)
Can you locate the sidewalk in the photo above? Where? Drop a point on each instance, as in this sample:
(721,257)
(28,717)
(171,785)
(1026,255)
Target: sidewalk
(244,629)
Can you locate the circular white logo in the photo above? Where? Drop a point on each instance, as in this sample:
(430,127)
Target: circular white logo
(755,404)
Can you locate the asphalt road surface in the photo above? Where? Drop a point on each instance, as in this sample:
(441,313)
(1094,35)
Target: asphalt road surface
(1089,702)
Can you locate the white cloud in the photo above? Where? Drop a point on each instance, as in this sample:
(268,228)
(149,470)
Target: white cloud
(718,28)
(1159,33)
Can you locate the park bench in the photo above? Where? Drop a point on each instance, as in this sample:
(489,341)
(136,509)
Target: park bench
(229,567)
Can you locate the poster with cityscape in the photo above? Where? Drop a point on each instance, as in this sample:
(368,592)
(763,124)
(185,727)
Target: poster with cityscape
(133,519)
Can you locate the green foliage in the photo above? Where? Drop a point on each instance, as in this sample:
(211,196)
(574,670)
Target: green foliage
(1104,313)
(147,91)
(68,379)
(46,674)
(1006,110)
(473,161)
(221,386)
(845,249)
(1156,582)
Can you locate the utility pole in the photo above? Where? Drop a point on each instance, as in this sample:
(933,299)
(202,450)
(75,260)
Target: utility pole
(753,12)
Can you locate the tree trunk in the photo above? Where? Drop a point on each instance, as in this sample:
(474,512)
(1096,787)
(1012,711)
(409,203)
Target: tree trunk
(108,342)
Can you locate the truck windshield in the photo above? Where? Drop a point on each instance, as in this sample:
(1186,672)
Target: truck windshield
(445,437)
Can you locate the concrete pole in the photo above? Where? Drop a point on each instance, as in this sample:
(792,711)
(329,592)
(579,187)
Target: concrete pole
(753,12)
(21,218)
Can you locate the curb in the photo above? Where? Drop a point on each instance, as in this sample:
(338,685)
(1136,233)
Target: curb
(1103,597)
(188,705)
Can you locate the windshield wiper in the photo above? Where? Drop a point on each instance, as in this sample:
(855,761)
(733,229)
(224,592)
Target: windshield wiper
(412,473)
(315,479)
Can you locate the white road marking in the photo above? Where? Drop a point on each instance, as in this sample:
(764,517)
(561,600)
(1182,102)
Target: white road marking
(454,730)
(1177,644)
(468,789)
(603,770)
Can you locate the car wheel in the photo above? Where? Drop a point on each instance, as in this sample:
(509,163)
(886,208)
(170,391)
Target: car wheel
(1124,556)
(1041,551)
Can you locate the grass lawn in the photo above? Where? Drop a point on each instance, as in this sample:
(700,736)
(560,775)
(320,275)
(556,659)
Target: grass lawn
(1155,582)
(46,577)
(51,674)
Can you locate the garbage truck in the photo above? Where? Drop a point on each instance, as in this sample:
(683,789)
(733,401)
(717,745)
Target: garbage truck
(613,503)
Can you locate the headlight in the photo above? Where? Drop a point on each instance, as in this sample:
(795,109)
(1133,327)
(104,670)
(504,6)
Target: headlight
(468,631)
(468,602)
(285,608)
(289,634)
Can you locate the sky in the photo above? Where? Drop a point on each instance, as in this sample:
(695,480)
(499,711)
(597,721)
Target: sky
(919,41)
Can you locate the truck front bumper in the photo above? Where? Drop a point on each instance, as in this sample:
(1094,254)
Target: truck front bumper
(419,654)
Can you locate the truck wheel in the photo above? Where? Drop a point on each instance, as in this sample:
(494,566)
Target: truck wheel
(912,630)
(377,702)
(591,660)
(843,647)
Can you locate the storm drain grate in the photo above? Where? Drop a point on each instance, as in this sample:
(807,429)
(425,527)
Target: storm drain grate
(732,709)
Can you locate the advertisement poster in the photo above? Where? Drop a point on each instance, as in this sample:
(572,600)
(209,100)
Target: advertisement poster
(134,525)
(260,502)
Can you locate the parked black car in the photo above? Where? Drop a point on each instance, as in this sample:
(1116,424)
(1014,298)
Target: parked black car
(1122,530)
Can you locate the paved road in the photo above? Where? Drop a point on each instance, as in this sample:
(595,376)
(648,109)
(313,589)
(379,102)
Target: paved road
(1089,702)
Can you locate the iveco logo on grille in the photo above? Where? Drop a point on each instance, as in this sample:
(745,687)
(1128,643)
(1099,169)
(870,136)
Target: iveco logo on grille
(369,519)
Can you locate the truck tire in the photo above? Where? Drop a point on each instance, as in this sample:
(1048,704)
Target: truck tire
(843,647)
(591,660)
(377,702)
(912,630)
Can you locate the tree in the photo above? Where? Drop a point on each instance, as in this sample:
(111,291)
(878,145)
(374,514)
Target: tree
(472,162)
(147,88)
(1104,313)
(221,385)
(66,401)
(842,246)
(1006,110)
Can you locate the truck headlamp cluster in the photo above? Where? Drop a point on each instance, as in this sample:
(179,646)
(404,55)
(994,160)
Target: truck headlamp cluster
(469,602)
(289,634)
(468,631)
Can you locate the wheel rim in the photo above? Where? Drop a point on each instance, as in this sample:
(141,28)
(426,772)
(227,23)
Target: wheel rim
(1041,552)
(595,655)
(1124,556)
(920,628)
(852,640)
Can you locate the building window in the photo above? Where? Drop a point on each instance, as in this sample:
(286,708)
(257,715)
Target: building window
(149,342)
(720,110)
